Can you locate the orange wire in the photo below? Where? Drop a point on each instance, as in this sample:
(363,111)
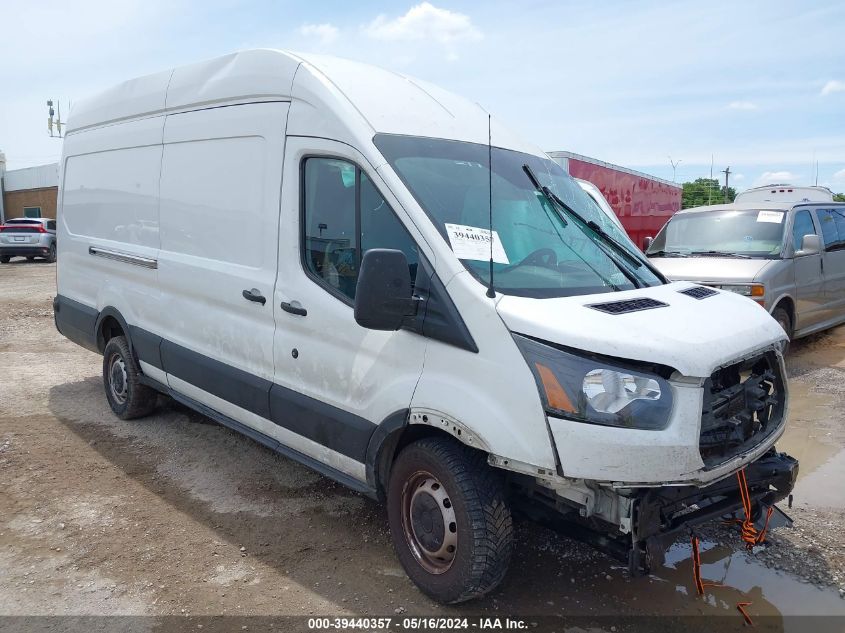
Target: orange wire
(740,606)
(696,568)
(749,534)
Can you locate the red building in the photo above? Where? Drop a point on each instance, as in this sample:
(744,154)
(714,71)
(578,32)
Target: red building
(643,203)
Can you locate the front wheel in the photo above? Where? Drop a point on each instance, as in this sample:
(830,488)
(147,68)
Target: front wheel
(782,317)
(127,397)
(4,259)
(449,520)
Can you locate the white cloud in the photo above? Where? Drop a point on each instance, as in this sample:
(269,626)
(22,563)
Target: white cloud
(834,85)
(742,105)
(839,176)
(737,177)
(424,22)
(776,177)
(326,33)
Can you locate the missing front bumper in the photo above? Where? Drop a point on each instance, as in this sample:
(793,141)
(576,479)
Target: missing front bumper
(660,515)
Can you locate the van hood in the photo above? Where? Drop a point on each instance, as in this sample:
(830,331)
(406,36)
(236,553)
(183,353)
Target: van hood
(694,336)
(710,269)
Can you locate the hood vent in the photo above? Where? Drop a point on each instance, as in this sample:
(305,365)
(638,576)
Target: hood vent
(699,292)
(628,305)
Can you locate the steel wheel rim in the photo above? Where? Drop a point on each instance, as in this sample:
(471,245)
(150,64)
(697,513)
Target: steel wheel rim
(118,379)
(429,523)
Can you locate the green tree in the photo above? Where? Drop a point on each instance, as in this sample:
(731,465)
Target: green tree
(839,197)
(704,191)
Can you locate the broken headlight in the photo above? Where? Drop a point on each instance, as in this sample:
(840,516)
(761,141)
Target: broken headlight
(596,391)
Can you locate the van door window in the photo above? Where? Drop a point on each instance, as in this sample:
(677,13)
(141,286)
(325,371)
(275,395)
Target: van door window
(801,226)
(330,240)
(833,228)
(344,215)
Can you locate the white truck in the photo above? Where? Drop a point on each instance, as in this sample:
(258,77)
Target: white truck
(333,259)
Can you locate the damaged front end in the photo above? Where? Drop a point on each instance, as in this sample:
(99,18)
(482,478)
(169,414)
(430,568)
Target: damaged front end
(637,525)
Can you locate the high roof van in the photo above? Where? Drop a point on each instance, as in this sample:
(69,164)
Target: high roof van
(371,276)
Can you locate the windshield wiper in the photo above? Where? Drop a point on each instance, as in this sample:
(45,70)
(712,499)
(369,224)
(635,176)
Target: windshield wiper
(600,232)
(720,254)
(557,202)
(662,253)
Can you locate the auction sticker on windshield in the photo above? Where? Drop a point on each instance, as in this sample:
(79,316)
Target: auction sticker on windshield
(775,217)
(471,242)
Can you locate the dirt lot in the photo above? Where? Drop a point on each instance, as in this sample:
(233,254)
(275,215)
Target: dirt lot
(175,515)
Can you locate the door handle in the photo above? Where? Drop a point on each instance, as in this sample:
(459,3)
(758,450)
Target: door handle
(288,307)
(254,295)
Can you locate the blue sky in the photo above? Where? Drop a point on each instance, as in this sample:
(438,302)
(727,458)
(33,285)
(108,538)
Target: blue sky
(760,86)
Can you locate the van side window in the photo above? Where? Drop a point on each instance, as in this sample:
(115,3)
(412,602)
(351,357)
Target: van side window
(344,215)
(330,241)
(801,226)
(833,228)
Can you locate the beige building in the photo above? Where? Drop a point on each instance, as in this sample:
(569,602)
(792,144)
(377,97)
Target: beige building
(30,192)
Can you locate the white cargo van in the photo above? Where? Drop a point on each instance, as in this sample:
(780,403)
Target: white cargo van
(785,193)
(299,247)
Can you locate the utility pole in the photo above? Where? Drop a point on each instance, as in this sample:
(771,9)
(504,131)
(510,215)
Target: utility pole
(710,184)
(727,173)
(674,167)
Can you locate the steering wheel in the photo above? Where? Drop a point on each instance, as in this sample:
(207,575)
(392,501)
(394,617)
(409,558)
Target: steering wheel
(545,257)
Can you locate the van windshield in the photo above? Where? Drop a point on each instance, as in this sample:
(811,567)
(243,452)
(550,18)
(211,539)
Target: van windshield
(539,251)
(731,233)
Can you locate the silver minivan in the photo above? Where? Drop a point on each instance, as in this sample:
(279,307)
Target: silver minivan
(789,257)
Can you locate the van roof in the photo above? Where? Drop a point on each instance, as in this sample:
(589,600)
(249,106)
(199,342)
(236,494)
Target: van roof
(347,92)
(754,206)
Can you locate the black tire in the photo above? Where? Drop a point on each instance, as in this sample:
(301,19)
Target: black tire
(52,256)
(4,259)
(782,317)
(472,500)
(127,397)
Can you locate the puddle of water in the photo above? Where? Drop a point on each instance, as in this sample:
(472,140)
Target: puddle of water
(670,590)
(814,436)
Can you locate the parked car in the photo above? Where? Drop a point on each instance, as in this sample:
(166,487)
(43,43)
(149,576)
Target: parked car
(28,237)
(332,269)
(788,257)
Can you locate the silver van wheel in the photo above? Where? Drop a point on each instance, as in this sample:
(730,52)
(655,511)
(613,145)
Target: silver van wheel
(118,380)
(127,396)
(428,522)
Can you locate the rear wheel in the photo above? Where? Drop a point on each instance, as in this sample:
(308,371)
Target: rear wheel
(51,257)
(127,397)
(4,259)
(449,520)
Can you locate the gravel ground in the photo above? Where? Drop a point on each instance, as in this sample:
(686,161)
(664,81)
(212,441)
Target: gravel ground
(174,515)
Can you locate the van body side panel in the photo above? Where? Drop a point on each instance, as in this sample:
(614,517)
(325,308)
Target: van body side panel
(220,188)
(492,393)
(108,221)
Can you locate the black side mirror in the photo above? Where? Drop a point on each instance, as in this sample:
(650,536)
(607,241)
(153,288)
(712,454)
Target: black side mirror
(383,294)
(647,242)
